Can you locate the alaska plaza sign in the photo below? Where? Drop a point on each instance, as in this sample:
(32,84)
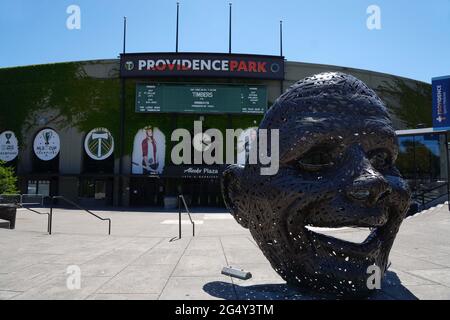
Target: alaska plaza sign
(202,65)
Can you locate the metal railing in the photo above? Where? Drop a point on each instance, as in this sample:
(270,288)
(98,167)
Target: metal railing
(18,199)
(427,196)
(181,200)
(76,206)
(40,213)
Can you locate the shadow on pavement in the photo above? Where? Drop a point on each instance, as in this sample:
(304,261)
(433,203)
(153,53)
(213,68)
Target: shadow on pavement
(392,289)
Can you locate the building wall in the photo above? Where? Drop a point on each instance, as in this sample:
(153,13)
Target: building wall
(74,98)
(409,101)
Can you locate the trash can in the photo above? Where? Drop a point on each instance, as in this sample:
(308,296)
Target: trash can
(8,213)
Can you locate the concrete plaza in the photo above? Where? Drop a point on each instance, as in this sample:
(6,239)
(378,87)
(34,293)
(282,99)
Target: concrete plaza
(139,260)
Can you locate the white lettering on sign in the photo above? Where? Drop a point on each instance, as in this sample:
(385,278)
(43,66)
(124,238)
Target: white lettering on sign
(201,65)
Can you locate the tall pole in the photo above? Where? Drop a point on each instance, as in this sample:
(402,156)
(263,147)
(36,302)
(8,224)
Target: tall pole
(281,38)
(229,30)
(122,117)
(124,35)
(281,53)
(178,20)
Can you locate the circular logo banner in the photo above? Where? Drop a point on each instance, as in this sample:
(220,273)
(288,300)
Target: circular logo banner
(46,144)
(9,146)
(99,144)
(129,65)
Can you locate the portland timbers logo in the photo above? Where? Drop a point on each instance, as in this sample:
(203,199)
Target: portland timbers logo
(129,65)
(99,144)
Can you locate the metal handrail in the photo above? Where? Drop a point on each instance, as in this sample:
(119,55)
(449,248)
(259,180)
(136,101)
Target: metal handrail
(436,187)
(20,204)
(21,196)
(182,200)
(40,213)
(421,195)
(77,206)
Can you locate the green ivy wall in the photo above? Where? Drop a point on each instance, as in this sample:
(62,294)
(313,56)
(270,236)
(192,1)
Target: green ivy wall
(76,99)
(85,102)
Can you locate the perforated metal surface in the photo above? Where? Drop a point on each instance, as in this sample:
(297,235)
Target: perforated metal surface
(337,155)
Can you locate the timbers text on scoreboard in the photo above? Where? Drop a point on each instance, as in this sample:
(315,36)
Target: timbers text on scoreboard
(202,65)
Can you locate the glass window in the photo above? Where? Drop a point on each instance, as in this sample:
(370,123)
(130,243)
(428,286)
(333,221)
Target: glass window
(32,187)
(100,190)
(44,188)
(423,162)
(427,157)
(87,188)
(94,189)
(405,160)
(41,187)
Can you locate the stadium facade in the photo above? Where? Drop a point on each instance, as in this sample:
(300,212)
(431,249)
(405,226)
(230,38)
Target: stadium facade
(99,132)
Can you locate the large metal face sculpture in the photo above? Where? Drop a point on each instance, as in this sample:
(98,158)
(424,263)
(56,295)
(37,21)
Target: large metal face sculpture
(337,155)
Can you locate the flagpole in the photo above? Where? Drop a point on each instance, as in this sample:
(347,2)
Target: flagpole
(229,30)
(178,19)
(281,38)
(281,54)
(124,34)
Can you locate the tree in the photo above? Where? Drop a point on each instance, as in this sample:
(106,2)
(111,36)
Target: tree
(8,180)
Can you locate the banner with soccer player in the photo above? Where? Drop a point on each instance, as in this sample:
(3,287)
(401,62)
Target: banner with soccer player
(149,151)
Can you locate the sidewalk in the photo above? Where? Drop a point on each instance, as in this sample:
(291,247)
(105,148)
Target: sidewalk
(138,261)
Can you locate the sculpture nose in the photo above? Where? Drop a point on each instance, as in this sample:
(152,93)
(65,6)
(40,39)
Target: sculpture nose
(369,188)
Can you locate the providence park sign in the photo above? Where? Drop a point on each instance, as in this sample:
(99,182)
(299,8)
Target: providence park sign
(201,65)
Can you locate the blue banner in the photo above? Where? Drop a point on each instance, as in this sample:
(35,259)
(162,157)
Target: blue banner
(441,96)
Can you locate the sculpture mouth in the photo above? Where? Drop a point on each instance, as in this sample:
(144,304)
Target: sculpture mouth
(354,240)
(347,242)
(356,235)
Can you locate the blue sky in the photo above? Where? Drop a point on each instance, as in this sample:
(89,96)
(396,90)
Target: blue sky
(414,40)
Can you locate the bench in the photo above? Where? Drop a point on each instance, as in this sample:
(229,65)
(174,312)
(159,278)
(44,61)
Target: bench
(8,213)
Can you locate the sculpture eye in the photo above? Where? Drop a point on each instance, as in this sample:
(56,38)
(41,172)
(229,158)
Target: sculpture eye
(318,158)
(380,159)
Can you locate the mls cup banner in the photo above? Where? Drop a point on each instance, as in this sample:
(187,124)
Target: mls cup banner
(149,151)
(99,144)
(47,144)
(9,146)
